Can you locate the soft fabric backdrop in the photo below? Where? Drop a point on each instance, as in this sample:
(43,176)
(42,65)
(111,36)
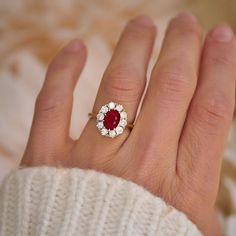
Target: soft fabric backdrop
(31,33)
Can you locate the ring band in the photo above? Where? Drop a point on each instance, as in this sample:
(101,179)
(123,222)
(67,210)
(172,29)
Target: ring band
(112,120)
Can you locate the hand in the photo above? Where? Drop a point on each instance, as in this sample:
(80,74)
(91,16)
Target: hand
(176,146)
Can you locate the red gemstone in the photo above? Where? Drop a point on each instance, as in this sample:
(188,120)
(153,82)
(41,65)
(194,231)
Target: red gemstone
(111,119)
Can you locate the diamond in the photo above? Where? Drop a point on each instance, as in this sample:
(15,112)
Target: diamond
(119,130)
(119,107)
(104,131)
(100,116)
(100,125)
(112,133)
(123,114)
(104,109)
(111,105)
(123,123)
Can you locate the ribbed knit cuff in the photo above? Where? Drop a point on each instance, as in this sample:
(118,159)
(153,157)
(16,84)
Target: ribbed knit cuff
(58,201)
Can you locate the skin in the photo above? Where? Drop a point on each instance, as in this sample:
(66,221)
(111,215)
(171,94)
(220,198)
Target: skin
(175,149)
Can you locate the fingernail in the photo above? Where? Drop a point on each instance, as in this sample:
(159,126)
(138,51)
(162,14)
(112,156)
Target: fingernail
(222,34)
(74,46)
(143,20)
(186,16)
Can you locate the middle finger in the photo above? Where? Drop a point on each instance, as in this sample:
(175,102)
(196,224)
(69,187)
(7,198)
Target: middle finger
(169,93)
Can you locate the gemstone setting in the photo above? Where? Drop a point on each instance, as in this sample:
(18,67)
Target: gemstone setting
(112,119)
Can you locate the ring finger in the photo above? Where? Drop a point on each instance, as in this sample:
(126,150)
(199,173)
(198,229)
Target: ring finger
(123,82)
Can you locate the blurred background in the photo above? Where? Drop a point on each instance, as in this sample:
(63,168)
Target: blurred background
(31,32)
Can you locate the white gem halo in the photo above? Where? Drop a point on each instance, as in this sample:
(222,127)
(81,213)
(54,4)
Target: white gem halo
(122,123)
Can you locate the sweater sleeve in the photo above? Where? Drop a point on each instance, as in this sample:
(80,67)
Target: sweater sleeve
(64,202)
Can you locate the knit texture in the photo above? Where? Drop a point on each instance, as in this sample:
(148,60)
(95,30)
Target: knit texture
(58,201)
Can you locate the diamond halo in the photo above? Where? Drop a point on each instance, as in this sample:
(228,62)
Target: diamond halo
(112,119)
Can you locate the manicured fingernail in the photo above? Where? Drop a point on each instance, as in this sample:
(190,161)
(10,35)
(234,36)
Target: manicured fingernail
(74,46)
(186,16)
(222,34)
(143,20)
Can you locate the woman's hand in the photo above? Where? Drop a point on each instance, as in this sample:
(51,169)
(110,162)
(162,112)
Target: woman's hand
(176,146)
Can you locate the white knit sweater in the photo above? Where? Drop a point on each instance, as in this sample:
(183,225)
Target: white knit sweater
(57,201)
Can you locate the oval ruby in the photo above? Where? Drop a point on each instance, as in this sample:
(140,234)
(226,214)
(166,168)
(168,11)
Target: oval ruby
(111,119)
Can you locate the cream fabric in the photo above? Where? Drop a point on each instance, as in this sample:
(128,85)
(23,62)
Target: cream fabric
(59,201)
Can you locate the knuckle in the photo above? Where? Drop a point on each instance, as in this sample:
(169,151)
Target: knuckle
(64,65)
(48,102)
(217,60)
(218,57)
(45,103)
(176,80)
(57,64)
(123,85)
(214,111)
(60,69)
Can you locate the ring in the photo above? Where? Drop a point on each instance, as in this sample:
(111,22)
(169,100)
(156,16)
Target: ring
(112,119)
